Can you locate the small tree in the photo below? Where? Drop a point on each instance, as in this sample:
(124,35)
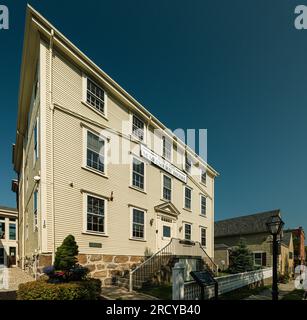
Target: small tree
(240,259)
(65,256)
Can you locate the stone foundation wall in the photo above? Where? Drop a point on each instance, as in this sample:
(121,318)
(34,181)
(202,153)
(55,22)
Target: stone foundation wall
(104,267)
(108,267)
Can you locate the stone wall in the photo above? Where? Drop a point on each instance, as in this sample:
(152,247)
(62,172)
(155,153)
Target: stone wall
(109,267)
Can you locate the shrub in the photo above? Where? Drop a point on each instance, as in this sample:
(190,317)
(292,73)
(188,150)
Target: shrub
(78,290)
(240,259)
(65,256)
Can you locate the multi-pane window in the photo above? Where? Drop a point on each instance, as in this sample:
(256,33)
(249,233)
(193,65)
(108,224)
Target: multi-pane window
(95,152)
(35,135)
(12,231)
(188,164)
(138,224)
(2,230)
(204,176)
(260,259)
(138,173)
(95,214)
(203,205)
(167,148)
(167,188)
(95,96)
(35,207)
(187,197)
(187,231)
(203,237)
(138,128)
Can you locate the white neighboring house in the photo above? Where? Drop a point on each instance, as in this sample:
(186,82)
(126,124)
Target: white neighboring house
(117,212)
(8,237)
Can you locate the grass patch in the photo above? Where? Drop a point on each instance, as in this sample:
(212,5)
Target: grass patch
(242,293)
(163,292)
(294,295)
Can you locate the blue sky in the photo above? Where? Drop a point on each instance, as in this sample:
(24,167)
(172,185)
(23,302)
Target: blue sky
(237,68)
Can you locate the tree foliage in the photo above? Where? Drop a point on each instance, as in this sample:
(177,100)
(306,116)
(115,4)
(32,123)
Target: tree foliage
(65,256)
(240,259)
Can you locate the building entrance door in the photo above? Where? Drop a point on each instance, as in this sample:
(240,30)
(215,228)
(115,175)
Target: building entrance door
(12,257)
(166,231)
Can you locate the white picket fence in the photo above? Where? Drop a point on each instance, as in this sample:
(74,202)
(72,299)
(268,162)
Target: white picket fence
(191,291)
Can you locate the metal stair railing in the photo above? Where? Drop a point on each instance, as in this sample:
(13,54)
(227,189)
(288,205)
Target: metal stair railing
(146,270)
(176,247)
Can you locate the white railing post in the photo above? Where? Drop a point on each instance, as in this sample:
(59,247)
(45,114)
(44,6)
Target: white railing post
(130,281)
(178,281)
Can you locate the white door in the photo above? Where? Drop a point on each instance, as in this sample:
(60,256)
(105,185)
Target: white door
(166,231)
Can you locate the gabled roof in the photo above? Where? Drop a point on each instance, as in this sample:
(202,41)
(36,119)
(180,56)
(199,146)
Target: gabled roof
(243,225)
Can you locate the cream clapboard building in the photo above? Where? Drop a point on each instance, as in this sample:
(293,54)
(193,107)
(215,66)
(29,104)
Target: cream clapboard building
(73,122)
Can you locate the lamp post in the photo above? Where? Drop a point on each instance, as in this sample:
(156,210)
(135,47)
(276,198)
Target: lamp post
(275,225)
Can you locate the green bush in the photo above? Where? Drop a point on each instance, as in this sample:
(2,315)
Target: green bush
(41,290)
(65,256)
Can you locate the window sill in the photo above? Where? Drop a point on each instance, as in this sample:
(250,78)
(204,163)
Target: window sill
(165,200)
(204,216)
(95,171)
(203,184)
(136,139)
(137,189)
(135,239)
(95,110)
(89,233)
(186,209)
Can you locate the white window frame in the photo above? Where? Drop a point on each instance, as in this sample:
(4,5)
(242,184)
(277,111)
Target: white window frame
(96,233)
(184,196)
(131,224)
(258,252)
(200,205)
(201,174)
(187,158)
(84,97)
(162,188)
(166,139)
(133,156)
(184,225)
(200,236)
(132,115)
(84,161)
(15,224)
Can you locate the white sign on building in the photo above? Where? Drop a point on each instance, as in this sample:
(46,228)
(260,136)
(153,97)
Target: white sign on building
(163,164)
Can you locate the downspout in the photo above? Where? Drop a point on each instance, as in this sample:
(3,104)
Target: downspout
(51,106)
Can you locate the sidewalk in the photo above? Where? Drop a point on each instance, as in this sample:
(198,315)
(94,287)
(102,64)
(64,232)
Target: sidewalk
(16,276)
(117,293)
(266,294)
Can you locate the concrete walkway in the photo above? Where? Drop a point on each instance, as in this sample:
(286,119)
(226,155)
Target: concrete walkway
(266,294)
(117,293)
(15,276)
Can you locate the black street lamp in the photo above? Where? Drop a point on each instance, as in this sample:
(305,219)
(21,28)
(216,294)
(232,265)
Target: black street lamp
(275,225)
